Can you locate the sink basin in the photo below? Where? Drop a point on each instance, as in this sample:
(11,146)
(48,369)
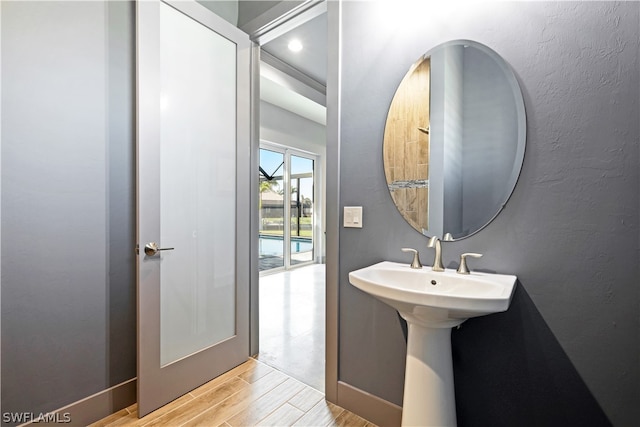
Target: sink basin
(436,299)
(432,303)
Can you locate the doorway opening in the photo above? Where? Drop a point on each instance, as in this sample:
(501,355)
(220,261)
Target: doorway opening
(292,282)
(291,187)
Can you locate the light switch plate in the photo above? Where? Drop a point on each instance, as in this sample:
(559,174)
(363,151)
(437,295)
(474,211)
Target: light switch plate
(353,216)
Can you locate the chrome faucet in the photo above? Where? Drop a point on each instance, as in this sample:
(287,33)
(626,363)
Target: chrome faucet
(434,242)
(416,257)
(463,269)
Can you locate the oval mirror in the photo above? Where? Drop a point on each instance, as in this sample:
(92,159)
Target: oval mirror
(454,140)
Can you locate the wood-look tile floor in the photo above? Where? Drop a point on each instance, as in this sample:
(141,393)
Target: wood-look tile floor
(252,394)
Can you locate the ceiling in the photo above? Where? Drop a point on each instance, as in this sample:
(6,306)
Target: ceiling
(311,61)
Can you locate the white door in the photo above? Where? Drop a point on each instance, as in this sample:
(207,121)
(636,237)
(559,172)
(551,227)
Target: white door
(193,171)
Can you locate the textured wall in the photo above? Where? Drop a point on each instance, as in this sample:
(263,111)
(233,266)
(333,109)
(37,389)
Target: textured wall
(566,352)
(68,218)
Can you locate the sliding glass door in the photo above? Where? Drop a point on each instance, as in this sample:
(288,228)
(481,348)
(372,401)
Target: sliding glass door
(287,214)
(272,213)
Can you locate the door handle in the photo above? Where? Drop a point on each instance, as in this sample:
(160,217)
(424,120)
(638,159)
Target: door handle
(152,248)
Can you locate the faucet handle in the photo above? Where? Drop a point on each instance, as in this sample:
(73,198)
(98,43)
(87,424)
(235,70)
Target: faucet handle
(463,269)
(416,257)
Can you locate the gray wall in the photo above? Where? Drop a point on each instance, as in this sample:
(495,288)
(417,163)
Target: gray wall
(284,127)
(566,352)
(68,206)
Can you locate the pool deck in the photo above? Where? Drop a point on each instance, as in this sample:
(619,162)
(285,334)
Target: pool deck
(267,262)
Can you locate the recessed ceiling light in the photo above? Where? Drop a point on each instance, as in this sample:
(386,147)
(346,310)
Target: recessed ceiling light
(295,45)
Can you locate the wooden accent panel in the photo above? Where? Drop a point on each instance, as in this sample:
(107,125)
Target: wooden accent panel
(406,148)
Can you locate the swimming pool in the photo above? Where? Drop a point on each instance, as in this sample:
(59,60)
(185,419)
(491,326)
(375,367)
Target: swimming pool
(273,245)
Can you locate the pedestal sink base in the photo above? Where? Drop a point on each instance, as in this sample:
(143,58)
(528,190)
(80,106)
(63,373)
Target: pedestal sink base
(429,398)
(432,303)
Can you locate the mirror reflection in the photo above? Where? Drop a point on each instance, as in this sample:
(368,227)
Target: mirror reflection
(454,140)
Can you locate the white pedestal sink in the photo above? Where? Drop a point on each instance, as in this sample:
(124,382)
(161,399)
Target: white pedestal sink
(432,303)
